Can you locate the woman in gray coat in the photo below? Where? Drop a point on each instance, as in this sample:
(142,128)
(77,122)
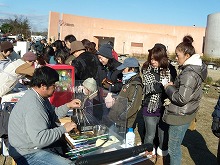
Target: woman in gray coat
(185,94)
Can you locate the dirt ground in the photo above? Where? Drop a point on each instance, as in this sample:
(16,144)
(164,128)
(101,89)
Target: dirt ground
(199,146)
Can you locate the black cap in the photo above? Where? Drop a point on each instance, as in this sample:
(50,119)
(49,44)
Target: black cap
(159,45)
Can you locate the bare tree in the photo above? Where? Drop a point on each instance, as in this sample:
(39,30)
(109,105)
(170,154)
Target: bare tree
(17,26)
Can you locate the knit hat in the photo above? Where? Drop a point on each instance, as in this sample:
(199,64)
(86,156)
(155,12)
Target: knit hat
(29,56)
(90,84)
(6,45)
(106,51)
(76,46)
(159,45)
(129,63)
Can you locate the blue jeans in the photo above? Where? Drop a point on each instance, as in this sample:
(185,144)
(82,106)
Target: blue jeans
(153,124)
(176,135)
(43,157)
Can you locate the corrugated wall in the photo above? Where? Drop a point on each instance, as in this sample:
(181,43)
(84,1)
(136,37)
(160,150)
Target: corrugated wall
(212,36)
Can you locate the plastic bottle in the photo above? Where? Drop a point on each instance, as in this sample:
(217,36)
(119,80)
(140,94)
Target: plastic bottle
(130,138)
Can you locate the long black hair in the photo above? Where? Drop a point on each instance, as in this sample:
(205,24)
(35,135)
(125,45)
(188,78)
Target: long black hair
(186,46)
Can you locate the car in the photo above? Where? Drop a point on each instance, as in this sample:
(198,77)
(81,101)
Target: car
(12,40)
(3,39)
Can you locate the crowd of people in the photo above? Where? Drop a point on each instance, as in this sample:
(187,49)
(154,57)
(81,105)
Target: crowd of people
(160,103)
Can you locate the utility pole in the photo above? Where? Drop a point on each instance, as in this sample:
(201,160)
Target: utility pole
(123,47)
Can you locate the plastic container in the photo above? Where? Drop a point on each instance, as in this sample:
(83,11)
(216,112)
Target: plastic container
(130,138)
(65,85)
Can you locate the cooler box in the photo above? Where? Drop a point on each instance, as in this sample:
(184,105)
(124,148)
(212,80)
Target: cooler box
(64,88)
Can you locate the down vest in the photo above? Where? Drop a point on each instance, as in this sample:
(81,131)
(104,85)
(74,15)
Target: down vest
(186,93)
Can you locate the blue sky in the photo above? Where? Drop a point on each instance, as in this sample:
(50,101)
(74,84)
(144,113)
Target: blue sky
(169,12)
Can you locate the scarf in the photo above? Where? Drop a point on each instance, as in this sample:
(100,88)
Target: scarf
(149,81)
(127,76)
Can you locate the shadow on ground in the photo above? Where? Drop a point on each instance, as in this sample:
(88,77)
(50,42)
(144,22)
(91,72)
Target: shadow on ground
(198,149)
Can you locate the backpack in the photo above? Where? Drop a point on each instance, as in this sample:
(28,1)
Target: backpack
(216,119)
(6,108)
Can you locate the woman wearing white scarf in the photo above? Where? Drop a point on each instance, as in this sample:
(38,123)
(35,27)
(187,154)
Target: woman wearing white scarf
(185,94)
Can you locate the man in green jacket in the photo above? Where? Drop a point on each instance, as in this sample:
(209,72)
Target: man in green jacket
(131,90)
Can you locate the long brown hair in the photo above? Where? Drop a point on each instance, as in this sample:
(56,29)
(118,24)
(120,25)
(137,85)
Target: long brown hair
(158,54)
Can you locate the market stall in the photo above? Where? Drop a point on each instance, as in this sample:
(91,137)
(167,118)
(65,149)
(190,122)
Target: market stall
(101,122)
(105,136)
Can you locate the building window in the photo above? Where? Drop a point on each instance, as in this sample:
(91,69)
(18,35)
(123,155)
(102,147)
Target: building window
(135,44)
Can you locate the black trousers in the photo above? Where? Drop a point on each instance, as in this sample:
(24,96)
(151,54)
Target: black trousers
(139,123)
(218,153)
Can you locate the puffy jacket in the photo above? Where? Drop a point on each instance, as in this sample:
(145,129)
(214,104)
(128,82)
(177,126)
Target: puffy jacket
(186,92)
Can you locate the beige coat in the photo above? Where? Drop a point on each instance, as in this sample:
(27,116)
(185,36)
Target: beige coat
(10,75)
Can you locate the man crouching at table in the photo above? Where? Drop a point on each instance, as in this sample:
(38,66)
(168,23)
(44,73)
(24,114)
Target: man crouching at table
(32,128)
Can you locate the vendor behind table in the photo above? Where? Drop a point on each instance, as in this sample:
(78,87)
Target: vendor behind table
(33,132)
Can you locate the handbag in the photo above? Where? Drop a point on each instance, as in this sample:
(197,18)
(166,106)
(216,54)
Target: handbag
(216,127)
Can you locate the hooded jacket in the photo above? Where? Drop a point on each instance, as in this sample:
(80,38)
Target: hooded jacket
(130,95)
(186,93)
